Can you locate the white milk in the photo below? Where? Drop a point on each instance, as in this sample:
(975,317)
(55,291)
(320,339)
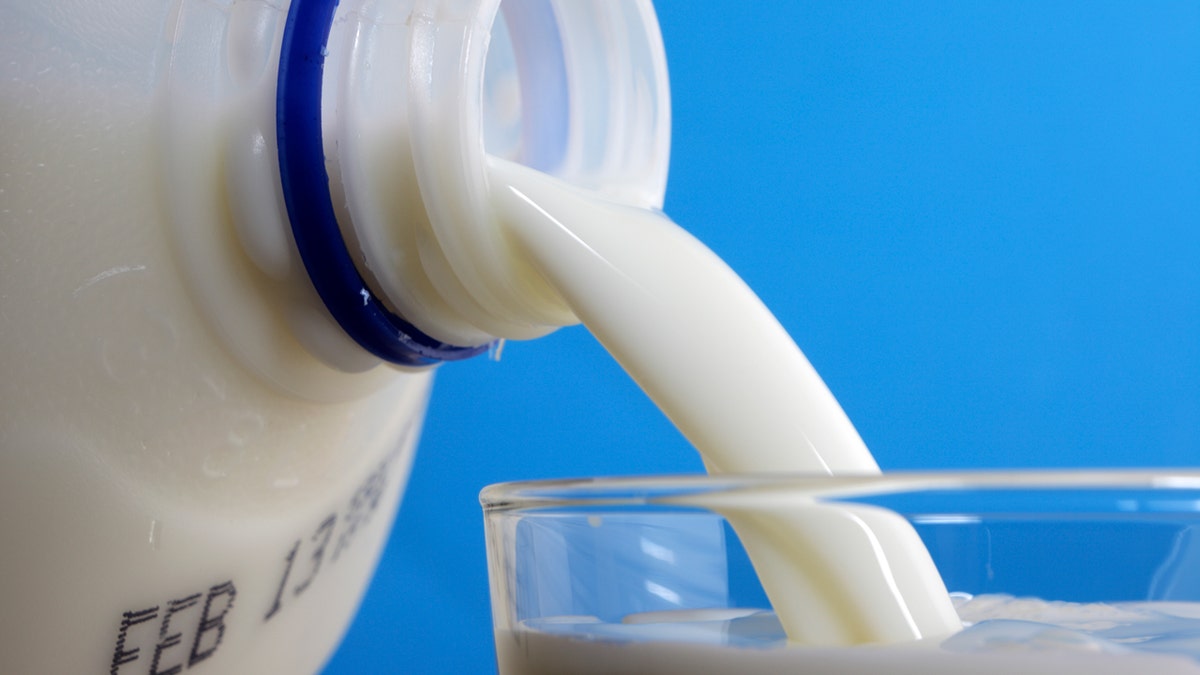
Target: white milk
(684,326)
(1004,636)
(707,351)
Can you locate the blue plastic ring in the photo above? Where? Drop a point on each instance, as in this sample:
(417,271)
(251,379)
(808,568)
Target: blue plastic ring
(310,208)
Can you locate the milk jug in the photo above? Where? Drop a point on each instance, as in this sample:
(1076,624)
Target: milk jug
(236,236)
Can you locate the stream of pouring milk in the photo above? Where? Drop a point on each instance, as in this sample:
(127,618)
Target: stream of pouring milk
(721,367)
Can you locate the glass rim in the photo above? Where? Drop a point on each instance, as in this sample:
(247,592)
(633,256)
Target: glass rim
(637,490)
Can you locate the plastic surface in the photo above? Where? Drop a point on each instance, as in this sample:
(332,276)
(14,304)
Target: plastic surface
(314,226)
(200,466)
(175,496)
(418,139)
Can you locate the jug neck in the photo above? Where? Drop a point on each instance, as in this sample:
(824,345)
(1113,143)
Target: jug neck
(353,140)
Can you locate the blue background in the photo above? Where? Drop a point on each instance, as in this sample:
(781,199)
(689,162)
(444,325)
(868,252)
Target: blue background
(981,221)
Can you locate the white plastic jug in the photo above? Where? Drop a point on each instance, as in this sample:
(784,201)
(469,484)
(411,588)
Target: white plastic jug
(235,235)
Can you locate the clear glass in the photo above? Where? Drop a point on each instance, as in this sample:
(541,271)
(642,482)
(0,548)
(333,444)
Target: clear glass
(631,575)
